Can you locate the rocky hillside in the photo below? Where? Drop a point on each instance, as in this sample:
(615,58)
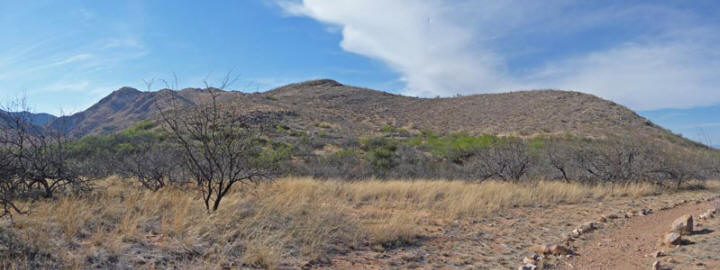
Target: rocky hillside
(343,110)
(125,107)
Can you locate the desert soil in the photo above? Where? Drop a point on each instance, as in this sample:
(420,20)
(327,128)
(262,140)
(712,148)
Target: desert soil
(500,241)
(632,243)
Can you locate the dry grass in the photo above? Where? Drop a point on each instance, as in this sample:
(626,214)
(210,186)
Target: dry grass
(451,199)
(288,222)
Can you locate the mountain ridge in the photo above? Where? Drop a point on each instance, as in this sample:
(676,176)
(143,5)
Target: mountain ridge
(357,111)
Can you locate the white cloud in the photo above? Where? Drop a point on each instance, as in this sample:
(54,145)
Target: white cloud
(70,59)
(64,87)
(414,39)
(642,76)
(665,58)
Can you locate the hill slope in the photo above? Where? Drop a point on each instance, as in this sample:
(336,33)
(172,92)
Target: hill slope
(125,107)
(38,119)
(347,110)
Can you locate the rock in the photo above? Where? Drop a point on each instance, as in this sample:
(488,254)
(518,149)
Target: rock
(540,249)
(576,232)
(587,226)
(558,250)
(565,238)
(531,260)
(527,267)
(683,225)
(612,216)
(658,254)
(602,218)
(656,265)
(672,238)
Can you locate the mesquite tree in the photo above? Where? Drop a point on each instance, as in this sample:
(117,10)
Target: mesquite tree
(219,145)
(35,160)
(508,159)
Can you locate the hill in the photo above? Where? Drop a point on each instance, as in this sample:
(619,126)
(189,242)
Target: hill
(38,119)
(123,108)
(342,110)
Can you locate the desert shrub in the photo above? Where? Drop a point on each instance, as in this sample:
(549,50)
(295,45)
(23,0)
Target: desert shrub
(381,154)
(454,147)
(395,131)
(412,163)
(103,155)
(344,164)
(147,156)
(154,165)
(15,254)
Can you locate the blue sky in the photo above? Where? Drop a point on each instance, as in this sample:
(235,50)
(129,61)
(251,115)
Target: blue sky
(651,56)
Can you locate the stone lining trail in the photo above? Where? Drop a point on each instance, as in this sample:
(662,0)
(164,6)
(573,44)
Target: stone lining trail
(631,244)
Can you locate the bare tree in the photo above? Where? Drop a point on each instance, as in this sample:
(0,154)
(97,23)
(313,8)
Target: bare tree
(677,164)
(153,164)
(559,155)
(9,184)
(33,160)
(40,155)
(219,145)
(508,159)
(615,159)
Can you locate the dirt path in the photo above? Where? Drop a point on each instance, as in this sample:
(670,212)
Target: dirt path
(630,244)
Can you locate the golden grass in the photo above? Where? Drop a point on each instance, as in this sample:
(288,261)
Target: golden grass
(285,220)
(450,199)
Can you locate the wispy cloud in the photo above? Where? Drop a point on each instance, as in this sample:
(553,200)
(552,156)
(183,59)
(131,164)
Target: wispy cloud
(642,55)
(72,58)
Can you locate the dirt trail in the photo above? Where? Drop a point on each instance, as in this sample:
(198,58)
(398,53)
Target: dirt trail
(630,244)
